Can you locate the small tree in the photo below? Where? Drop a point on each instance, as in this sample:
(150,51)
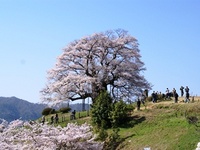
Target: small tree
(101,110)
(120,113)
(106,113)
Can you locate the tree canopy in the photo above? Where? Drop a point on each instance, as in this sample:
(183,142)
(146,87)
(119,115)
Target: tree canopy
(108,60)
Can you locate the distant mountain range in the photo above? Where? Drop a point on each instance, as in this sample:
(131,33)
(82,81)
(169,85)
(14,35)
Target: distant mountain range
(12,108)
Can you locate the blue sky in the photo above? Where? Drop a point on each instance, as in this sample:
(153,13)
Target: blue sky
(33,33)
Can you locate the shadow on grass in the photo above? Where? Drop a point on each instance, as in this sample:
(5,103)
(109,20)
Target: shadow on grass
(119,142)
(132,121)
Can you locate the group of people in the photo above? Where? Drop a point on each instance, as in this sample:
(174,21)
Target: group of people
(187,94)
(174,94)
(54,119)
(167,95)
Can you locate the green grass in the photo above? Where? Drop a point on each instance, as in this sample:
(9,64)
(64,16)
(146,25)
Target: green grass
(161,126)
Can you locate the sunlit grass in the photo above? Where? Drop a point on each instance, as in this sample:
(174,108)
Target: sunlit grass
(165,127)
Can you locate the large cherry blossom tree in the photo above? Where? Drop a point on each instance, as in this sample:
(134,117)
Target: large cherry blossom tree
(102,61)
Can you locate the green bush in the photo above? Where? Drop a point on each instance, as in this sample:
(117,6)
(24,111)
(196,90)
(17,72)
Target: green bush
(64,109)
(101,109)
(120,113)
(47,111)
(53,111)
(106,114)
(102,135)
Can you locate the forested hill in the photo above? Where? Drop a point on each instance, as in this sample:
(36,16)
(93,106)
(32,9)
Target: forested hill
(12,108)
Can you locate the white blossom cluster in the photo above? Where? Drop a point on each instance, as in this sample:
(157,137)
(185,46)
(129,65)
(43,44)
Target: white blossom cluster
(34,136)
(198,146)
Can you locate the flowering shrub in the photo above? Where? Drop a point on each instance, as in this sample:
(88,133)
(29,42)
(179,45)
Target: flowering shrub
(32,135)
(198,146)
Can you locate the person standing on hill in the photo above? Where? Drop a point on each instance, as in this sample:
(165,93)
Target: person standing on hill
(174,92)
(187,89)
(182,91)
(56,118)
(146,92)
(143,98)
(187,94)
(154,97)
(52,119)
(43,119)
(167,94)
(176,97)
(138,104)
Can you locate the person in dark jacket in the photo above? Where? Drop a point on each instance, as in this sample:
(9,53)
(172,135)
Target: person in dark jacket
(182,90)
(56,118)
(154,97)
(138,104)
(176,97)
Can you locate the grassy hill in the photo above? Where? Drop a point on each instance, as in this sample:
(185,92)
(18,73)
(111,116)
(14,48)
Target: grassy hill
(163,126)
(160,126)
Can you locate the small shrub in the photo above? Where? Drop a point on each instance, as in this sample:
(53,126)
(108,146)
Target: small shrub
(46,111)
(192,119)
(120,113)
(53,111)
(65,109)
(102,134)
(113,140)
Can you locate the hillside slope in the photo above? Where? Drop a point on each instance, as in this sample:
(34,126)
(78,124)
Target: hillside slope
(163,126)
(159,126)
